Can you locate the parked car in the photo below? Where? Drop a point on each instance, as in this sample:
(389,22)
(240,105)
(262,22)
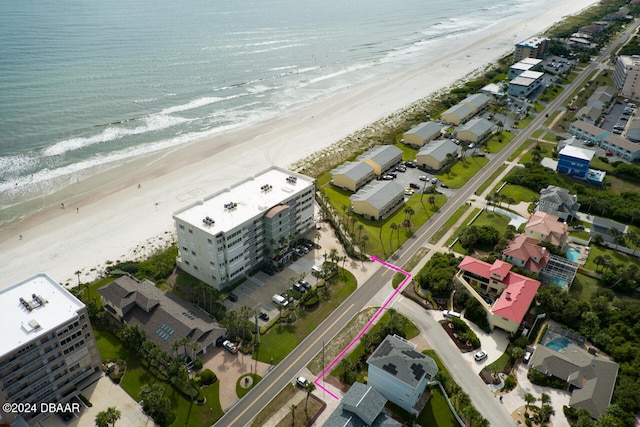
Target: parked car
(411,164)
(308,245)
(298,287)
(232,297)
(423,178)
(264,316)
(393,174)
(608,154)
(387,177)
(408,192)
(578,227)
(451,313)
(304,283)
(434,181)
(414,185)
(443,185)
(481,355)
(401,168)
(269,271)
(302,381)
(527,357)
(230,347)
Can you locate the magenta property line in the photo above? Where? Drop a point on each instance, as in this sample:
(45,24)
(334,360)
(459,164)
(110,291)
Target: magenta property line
(368,325)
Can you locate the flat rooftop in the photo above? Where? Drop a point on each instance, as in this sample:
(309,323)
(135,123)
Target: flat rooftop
(26,319)
(226,209)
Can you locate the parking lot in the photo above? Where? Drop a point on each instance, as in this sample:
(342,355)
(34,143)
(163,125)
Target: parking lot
(617,116)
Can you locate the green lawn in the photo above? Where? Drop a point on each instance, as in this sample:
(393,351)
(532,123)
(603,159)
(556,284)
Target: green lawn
(448,224)
(436,412)
(579,234)
(490,180)
(280,340)
(596,163)
(618,257)
(546,148)
(109,346)
(494,145)
(463,171)
(495,220)
(519,193)
(583,287)
(408,152)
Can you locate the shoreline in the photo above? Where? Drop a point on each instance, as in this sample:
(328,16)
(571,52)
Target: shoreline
(116,220)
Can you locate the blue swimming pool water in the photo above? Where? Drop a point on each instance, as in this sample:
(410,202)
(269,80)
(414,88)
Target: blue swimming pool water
(558,282)
(573,254)
(558,344)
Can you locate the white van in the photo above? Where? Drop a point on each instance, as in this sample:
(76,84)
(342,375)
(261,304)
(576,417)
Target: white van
(279,299)
(451,313)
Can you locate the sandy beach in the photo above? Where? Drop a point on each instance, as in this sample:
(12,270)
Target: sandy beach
(126,212)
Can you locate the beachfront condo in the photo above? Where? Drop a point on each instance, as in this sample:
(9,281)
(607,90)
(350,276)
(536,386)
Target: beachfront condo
(48,351)
(257,221)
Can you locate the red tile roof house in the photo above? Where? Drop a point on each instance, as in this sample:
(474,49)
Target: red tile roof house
(524,252)
(548,228)
(514,292)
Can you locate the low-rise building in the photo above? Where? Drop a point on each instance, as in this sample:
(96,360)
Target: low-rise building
(400,373)
(525,84)
(478,101)
(574,161)
(434,154)
(475,130)
(48,351)
(352,176)
(377,199)
(422,133)
(633,130)
(589,114)
(621,147)
(548,228)
(526,64)
(381,158)
(164,317)
(588,132)
(604,227)
(558,201)
(457,114)
(361,406)
(513,293)
(601,97)
(523,251)
(533,47)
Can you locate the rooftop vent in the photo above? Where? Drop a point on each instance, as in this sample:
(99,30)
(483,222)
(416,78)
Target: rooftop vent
(231,205)
(508,295)
(208,221)
(27,304)
(266,187)
(292,179)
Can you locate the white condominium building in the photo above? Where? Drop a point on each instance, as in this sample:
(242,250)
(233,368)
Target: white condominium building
(625,76)
(226,235)
(48,351)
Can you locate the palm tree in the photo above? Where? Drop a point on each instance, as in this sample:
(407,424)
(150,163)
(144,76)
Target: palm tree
(408,213)
(529,399)
(545,398)
(363,244)
(360,228)
(77,273)
(607,262)
(114,414)
(102,419)
(393,226)
(634,239)
(309,388)
(293,413)
(598,260)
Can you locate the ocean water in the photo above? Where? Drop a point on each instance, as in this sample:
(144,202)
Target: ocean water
(85,84)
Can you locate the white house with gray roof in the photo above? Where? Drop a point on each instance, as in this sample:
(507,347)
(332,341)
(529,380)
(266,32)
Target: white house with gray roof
(381,158)
(422,133)
(352,175)
(434,154)
(474,130)
(377,199)
(400,373)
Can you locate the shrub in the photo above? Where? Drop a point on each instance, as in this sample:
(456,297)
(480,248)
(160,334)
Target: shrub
(541,379)
(311,302)
(509,383)
(208,377)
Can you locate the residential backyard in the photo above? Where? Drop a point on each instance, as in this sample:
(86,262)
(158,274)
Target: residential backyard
(463,171)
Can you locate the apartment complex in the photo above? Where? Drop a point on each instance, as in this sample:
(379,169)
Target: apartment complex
(534,47)
(625,76)
(48,351)
(226,235)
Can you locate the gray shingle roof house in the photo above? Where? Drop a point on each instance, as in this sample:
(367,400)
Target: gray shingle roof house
(361,406)
(601,97)
(602,226)
(478,101)
(352,175)
(164,317)
(377,199)
(434,153)
(457,114)
(558,201)
(381,157)
(400,373)
(422,133)
(589,114)
(591,379)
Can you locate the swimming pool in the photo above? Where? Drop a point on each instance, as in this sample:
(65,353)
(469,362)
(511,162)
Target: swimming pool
(573,254)
(558,344)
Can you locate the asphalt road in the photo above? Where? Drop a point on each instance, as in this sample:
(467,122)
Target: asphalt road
(243,412)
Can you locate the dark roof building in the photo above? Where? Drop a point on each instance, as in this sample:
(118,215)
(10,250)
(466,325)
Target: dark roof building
(163,316)
(558,201)
(400,373)
(362,406)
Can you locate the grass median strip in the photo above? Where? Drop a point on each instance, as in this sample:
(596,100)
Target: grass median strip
(447,225)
